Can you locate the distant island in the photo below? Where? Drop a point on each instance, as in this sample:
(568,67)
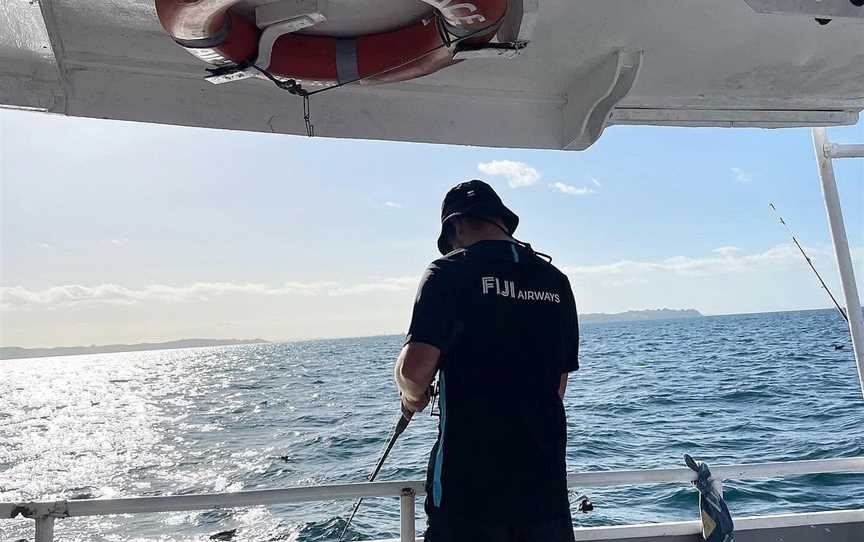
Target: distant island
(15,352)
(636,316)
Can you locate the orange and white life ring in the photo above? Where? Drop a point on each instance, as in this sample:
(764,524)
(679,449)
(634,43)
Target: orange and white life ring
(210,30)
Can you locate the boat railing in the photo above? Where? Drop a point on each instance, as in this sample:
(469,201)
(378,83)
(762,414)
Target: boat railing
(44,513)
(826,153)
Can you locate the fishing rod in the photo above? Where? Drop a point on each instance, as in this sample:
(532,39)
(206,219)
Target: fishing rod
(401,424)
(810,263)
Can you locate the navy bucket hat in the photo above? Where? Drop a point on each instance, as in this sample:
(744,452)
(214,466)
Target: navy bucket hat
(473,198)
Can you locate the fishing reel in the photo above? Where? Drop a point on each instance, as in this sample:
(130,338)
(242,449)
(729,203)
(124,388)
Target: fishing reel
(584,504)
(434,392)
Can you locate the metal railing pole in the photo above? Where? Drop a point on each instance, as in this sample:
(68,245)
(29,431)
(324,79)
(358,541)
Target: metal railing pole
(847,151)
(841,246)
(45,529)
(407,527)
(45,512)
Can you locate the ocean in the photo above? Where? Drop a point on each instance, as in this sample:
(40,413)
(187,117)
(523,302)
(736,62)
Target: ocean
(725,389)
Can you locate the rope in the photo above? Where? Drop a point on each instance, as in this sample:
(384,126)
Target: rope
(447,40)
(310,128)
(523,244)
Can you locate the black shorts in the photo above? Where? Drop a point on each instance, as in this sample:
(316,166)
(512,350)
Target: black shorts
(440,530)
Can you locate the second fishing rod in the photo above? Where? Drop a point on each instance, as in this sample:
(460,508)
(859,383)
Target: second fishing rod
(810,263)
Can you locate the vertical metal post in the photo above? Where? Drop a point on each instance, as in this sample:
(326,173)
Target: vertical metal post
(45,529)
(841,247)
(407,528)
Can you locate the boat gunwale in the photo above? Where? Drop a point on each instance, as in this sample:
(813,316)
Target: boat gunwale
(239,499)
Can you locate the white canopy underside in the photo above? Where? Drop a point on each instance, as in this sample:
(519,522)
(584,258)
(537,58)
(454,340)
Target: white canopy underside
(589,63)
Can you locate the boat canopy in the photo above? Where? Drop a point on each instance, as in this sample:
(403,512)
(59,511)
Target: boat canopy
(585,65)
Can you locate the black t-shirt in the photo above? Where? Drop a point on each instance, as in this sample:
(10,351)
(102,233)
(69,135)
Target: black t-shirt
(506,324)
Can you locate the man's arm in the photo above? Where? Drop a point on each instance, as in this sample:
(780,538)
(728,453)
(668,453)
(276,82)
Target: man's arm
(415,369)
(429,335)
(571,331)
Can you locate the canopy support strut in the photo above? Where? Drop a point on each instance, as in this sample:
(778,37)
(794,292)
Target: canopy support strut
(825,153)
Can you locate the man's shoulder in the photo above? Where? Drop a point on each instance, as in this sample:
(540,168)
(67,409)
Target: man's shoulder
(451,261)
(444,272)
(548,268)
(554,270)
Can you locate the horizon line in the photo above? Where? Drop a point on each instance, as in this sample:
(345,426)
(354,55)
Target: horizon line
(384,334)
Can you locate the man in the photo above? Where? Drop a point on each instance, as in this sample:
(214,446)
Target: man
(498,324)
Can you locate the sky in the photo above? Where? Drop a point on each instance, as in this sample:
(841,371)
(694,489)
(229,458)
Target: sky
(120,232)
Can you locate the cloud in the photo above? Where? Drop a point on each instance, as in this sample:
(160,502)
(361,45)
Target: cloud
(742,176)
(726,260)
(728,251)
(518,174)
(18,297)
(392,205)
(570,189)
(399,284)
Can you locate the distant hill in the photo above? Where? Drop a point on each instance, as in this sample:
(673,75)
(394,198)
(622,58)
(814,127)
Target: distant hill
(15,352)
(635,316)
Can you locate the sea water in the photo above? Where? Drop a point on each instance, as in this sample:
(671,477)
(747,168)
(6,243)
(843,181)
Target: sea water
(725,389)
